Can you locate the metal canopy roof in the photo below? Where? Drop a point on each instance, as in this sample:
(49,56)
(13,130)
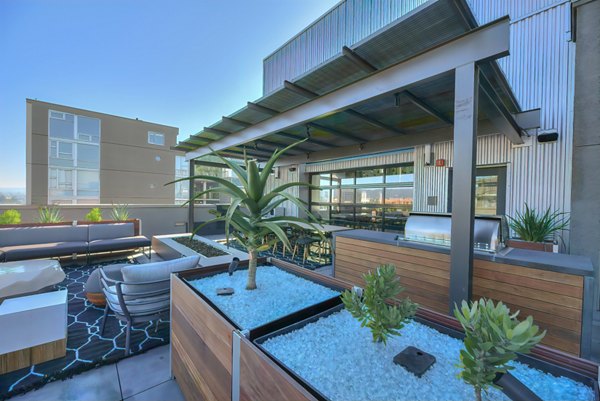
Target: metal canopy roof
(420,107)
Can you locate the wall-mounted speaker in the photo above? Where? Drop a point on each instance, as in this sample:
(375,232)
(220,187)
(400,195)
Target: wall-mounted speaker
(547,136)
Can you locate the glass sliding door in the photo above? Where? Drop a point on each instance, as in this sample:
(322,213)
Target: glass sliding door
(374,198)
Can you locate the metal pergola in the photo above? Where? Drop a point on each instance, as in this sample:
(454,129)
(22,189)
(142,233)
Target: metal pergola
(434,68)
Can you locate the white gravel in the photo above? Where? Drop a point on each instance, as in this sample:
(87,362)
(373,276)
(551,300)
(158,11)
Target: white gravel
(278,294)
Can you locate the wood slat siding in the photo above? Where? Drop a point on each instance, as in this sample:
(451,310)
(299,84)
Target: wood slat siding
(555,300)
(262,379)
(201,346)
(425,275)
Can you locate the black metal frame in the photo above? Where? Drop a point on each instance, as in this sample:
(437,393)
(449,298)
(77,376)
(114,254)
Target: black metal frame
(137,299)
(384,186)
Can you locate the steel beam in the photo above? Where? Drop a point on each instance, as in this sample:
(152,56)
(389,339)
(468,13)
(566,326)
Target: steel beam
(262,109)
(297,89)
(426,107)
(336,132)
(374,122)
(500,116)
(484,43)
(241,123)
(311,139)
(272,145)
(466,89)
(358,60)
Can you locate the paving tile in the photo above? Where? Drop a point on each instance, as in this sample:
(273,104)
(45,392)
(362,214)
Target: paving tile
(167,391)
(97,384)
(144,371)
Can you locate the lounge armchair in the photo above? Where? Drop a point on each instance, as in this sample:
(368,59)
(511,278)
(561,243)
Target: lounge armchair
(144,293)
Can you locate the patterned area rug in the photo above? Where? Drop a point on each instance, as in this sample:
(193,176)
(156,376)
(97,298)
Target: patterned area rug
(86,348)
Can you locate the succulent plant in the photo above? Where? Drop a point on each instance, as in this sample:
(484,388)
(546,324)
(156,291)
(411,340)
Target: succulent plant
(94,215)
(49,214)
(10,216)
(493,337)
(248,217)
(120,212)
(384,320)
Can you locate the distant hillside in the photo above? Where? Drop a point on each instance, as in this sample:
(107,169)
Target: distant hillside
(12,196)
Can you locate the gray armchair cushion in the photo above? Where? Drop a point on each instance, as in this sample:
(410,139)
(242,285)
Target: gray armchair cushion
(145,306)
(155,272)
(105,245)
(14,236)
(47,250)
(93,283)
(111,231)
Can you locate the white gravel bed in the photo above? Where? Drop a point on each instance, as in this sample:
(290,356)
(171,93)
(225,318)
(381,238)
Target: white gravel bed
(278,294)
(338,357)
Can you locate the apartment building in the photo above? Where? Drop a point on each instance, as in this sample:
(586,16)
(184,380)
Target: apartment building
(77,156)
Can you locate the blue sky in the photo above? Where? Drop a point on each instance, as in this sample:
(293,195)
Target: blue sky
(180,63)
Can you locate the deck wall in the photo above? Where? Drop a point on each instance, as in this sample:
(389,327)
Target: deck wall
(555,300)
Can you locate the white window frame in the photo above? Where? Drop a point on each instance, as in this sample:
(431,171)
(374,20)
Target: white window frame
(74,141)
(152,138)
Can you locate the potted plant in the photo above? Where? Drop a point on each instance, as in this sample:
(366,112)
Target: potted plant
(49,214)
(120,212)
(493,337)
(535,230)
(10,216)
(247,218)
(94,215)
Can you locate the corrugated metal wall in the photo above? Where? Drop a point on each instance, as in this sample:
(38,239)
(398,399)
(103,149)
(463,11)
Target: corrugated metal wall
(403,156)
(285,176)
(346,24)
(539,69)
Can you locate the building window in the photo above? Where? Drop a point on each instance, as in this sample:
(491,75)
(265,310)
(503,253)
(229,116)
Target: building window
(378,198)
(490,191)
(182,188)
(156,138)
(73,158)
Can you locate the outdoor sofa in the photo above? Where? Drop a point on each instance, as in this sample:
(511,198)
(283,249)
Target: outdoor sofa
(23,242)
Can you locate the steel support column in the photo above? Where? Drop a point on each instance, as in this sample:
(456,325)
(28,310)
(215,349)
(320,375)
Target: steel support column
(463,182)
(190,196)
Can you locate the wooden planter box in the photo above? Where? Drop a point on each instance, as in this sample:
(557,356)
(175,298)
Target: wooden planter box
(532,246)
(137,224)
(262,376)
(201,334)
(167,248)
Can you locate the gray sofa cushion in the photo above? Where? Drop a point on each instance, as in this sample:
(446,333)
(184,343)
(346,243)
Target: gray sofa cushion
(48,250)
(105,245)
(154,272)
(111,231)
(12,236)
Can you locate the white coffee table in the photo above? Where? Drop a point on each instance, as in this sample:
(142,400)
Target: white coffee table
(33,329)
(28,276)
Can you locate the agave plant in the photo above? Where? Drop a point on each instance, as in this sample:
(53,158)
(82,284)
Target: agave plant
(493,337)
(247,218)
(536,227)
(120,212)
(49,214)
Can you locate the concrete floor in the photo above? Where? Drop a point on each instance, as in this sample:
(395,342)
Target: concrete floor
(144,377)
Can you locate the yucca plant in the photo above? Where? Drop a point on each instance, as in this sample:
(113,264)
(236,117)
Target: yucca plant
(120,212)
(371,308)
(493,337)
(536,227)
(49,214)
(247,218)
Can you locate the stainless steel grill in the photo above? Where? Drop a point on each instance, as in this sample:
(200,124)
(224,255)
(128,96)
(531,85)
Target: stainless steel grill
(436,228)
